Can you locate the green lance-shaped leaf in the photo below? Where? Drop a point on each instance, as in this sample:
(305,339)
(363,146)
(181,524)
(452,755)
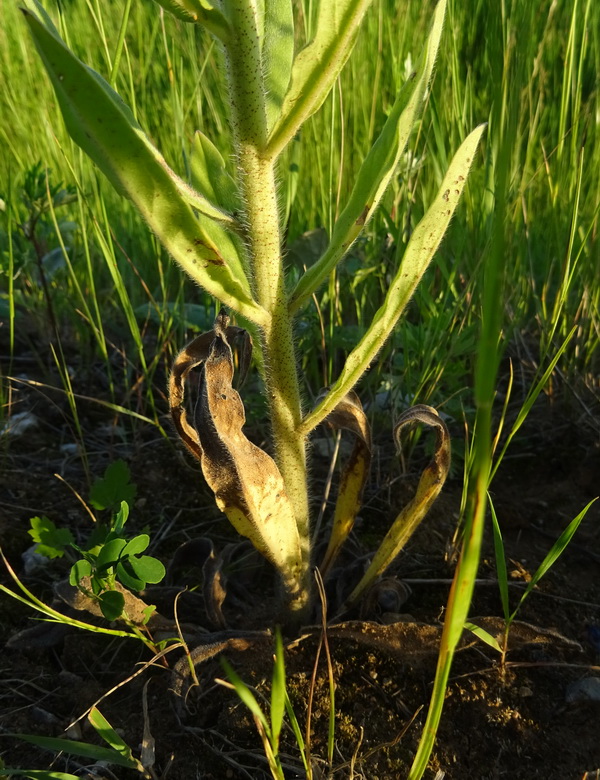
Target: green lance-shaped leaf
(277,55)
(210,175)
(247,484)
(317,66)
(108,734)
(103,126)
(377,169)
(349,415)
(428,489)
(421,248)
(199,12)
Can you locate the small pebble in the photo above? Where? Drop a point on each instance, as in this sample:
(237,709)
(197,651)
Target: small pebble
(43,716)
(587,689)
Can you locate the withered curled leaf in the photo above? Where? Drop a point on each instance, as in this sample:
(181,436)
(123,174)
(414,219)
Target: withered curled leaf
(247,484)
(349,415)
(430,484)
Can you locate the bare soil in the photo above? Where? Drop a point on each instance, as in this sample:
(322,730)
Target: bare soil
(518,722)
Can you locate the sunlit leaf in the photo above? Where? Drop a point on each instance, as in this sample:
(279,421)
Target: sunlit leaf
(418,255)
(317,66)
(104,127)
(277,54)
(377,169)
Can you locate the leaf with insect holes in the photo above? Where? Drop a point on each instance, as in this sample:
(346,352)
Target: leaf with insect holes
(109,491)
(51,541)
(317,66)
(104,127)
(430,484)
(418,255)
(247,484)
(377,169)
(349,415)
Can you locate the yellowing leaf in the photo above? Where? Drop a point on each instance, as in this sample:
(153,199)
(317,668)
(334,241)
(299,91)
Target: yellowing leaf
(431,482)
(349,415)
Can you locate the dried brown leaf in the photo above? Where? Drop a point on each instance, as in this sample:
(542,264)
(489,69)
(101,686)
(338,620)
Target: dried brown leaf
(247,484)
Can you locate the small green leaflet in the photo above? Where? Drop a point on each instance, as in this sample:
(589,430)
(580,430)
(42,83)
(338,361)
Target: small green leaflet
(51,541)
(114,487)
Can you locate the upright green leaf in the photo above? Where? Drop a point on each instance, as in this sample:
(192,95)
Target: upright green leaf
(108,734)
(378,167)
(277,690)
(417,257)
(277,55)
(317,66)
(103,126)
(209,174)
(555,552)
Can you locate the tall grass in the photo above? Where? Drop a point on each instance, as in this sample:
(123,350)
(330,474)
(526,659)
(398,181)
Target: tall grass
(551,258)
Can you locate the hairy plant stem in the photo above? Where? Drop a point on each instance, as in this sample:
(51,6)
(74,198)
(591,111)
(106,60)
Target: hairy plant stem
(257,172)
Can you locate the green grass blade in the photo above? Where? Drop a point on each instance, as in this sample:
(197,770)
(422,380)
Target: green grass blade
(246,696)
(532,396)
(484,635)
(417,257)
(377,169)
(555,552)
(53,615)
(108,734)
(501,569)
(277,691)
(317,67)
(38,774)
(75,748)
(103,126)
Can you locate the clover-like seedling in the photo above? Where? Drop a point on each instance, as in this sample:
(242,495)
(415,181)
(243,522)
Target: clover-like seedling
(115,559)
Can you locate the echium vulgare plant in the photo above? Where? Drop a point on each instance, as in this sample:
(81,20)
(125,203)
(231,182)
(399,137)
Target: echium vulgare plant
(226,234)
